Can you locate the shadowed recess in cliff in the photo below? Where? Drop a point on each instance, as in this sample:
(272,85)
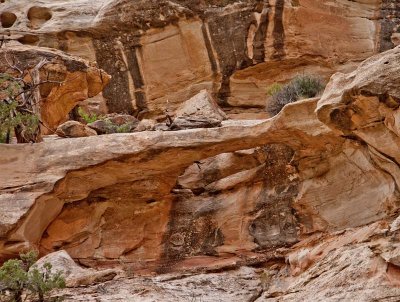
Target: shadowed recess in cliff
(136,74)
(241,207)
(260,37)
(192,230)
(278,33)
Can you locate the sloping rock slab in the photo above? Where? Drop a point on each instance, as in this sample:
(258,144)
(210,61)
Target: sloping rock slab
(74,274)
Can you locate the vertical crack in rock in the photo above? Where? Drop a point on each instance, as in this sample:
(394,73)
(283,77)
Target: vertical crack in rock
(260,37)
(132,52)
(207,41)
(390,23)
(278,33)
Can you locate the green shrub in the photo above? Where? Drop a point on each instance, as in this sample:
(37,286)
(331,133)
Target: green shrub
(125,128)
(11,119)
(16,113)
(307,86)
(274,89)
(21,278)
(303,86)
(88,118)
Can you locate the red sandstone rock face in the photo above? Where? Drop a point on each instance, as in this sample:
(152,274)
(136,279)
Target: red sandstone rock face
(301,199)
(164,52)
(309,196)
(232,205)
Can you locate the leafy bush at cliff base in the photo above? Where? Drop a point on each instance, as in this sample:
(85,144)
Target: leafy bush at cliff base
(301,87)
(20,278)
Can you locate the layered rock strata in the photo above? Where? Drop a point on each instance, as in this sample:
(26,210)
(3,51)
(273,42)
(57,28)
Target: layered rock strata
(308,179)
(161,53)
(316,211)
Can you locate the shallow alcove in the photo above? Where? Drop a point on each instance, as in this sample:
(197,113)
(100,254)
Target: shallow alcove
(38,16)
(7,19)
(29,40)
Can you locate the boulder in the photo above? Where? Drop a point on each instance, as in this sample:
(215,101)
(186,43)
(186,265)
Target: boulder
(146,125)
(74,129)
(161,127)
(201,111)
(74,274)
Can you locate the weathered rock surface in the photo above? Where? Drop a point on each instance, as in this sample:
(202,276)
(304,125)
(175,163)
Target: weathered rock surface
(66,80)
(236,286)
(86,205)
(145,125)
(164,52)
(74,274)
(201,111)
(310,197)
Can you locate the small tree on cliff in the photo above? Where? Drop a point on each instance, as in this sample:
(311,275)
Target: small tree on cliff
(20,102)
(21,278)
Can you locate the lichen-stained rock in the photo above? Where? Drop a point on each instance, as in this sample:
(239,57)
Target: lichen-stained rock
(66,80)
(114,123)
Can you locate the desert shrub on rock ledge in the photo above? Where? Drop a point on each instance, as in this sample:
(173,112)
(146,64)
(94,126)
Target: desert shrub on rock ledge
(301,87)
(21,280)
(88,117)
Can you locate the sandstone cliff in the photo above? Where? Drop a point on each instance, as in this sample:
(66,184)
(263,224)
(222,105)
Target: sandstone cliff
(321,183)
(302,206)
(159,51)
